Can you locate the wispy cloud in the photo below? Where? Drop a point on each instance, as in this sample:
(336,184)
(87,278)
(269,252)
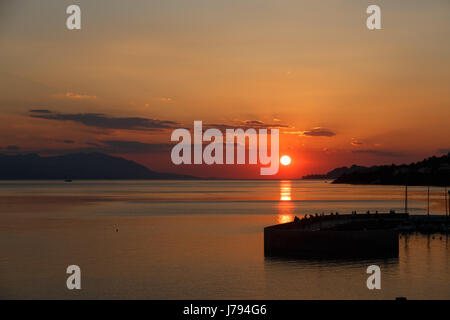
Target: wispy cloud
(72,95)
(380,153)
(66,141)
(39,111)
(12,148)
(444,150)
(246,124)
(317,132)
(124,146)
(107,146)
(165,99)
(355,142)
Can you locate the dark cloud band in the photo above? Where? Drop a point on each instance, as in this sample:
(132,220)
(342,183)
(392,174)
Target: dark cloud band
(380,153)
(103,121)
(318,132)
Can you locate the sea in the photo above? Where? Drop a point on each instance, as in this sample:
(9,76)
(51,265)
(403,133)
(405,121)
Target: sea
(201,239)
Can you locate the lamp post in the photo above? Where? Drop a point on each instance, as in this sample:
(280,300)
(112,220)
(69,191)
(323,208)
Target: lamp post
(448,206)
(406,198)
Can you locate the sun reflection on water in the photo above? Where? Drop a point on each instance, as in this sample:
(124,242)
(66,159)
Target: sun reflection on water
(285,190)
(285,213)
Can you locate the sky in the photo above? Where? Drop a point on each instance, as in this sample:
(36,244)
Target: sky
(339,93)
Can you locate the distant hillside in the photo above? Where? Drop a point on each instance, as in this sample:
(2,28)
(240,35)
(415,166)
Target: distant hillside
(432,171)
(335,173)
(76,166)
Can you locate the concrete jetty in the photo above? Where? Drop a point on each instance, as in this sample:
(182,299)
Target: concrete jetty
(369,235)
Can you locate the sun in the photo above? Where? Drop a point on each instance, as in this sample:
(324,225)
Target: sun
(285,160)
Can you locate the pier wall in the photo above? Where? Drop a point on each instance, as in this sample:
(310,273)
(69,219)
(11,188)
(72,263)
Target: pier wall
(330,244)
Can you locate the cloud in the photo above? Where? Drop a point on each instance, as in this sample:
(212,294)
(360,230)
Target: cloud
(93,144)
(355,142)
(39,111)
(106,146)
(12,148)
(100,120)
(254,122)
(246,124)
(72,95)
(380,153)
(317,132)
(135,147)
(114,147)
(123,146)
(165,99)
(260,124)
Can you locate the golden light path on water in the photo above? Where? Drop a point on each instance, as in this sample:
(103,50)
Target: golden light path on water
(285,206)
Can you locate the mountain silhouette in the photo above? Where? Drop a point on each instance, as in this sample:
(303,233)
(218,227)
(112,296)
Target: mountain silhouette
(335,173)
(433,171)
(76,166)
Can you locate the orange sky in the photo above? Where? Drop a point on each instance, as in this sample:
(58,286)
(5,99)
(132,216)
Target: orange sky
(342,94)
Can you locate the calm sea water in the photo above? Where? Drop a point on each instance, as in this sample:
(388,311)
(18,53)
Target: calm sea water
(199,240)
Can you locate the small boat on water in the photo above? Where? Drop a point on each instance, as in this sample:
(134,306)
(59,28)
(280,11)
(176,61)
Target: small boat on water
(68,180)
